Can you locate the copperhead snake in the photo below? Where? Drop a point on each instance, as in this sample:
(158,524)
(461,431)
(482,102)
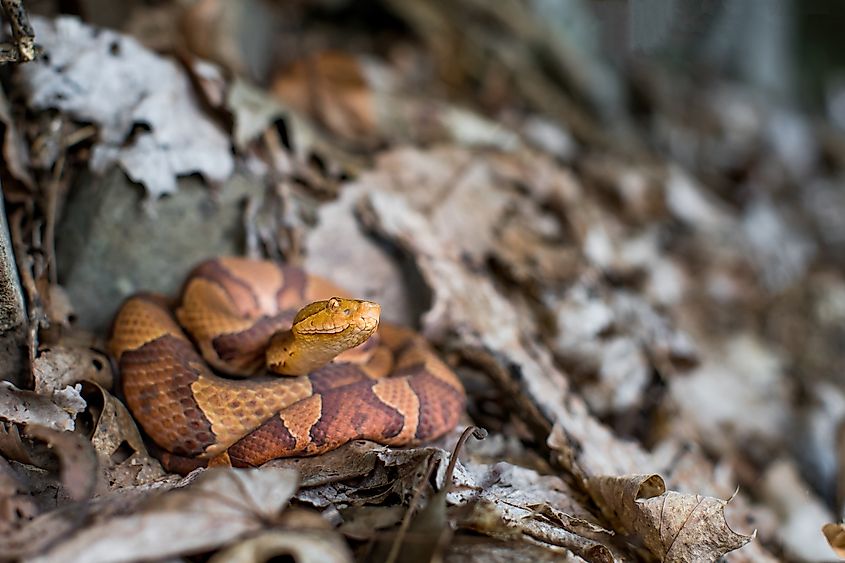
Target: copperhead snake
(353,377)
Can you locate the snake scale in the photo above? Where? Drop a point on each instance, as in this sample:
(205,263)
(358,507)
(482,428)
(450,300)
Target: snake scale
(352,377)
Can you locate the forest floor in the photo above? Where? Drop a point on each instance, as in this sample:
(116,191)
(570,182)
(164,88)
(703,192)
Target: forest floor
(636,275)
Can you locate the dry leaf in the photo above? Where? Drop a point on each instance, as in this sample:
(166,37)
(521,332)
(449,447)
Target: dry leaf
(368,522)
(348,462)
(672,526)
(306,537)
(99,76)
(835,534)
(425,532)
(239,36)
(799,512)
(470,550)
(25,407)
(16,506)
(77,459)
(58,307)
(742,385)
(779,250)
(254,111)
(379,474)
(61,366)
(385,280)
(120,448)
(220,506)
(509,501)
(331,86)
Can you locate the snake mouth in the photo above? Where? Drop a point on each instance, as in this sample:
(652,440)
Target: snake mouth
(362,325)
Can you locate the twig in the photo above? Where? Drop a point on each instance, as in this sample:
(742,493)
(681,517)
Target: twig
(24,49)
(50,214)
(433,515)
(25,266)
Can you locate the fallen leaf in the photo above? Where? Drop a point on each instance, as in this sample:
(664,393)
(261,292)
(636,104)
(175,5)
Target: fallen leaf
(346,463)
(368,522)
(16,506)
(332,87)
(778,248)
(60,366)
(471,550)
(58,307)
(25,407)
(835,535)
(799,512)
(511,502)
(77,459)
(385,279)
(382,473)
(119,446)
(671,525)
(742,386)
(241,37)
(305,537)
(423,535)
(99,76)
(254,111)
(220,506)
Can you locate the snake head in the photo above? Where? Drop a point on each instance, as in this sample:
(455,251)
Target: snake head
(344,322)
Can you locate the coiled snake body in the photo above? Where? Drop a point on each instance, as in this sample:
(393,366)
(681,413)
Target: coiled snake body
(354,378)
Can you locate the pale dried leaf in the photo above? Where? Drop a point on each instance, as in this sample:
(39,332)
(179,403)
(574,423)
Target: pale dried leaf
(741,386)
(689,202)
(25,407)
(60,366)
(549,136)
(58,307)
(800,513)
(220,506)
(469,129)
(305,537)
(109,79)
(253,112)
(510,502)
(342,263)
(367,522)
(672,526)
(779,250)
(115,432)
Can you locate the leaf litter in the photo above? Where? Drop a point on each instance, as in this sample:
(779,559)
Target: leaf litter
(109,79)
(614,307)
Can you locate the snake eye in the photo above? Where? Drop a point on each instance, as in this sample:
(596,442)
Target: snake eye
(346,312)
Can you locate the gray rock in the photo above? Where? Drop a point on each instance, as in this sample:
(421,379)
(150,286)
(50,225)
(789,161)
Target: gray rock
(112,242)
(12,309)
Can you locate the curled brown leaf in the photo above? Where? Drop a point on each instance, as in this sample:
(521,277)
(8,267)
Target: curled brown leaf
(674,527)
